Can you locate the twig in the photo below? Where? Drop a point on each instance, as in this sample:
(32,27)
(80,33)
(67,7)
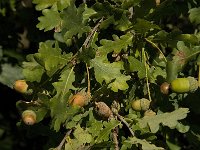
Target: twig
(147,80)
(154,45)
(115,140)
(198,64)
(88,79)
(87,40)
(63,140)
(86,43)
(124,121)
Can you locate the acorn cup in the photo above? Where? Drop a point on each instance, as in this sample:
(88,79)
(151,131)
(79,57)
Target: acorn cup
(29,117)
(182,85)
(80,99)
(141,104)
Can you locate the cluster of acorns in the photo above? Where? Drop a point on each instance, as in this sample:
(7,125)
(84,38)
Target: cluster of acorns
(180,85)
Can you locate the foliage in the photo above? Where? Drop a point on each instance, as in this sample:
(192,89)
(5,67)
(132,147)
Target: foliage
(116,51)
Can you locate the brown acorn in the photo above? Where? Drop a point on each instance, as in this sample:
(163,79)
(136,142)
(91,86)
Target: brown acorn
(103,110)
(80,99)
(20,86)
(164,88)
(29,117)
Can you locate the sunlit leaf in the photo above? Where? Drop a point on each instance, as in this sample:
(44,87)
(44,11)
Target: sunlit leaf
(145,144)
(194,15)
(105,71)
(117,45)
(169,119)
(50,20)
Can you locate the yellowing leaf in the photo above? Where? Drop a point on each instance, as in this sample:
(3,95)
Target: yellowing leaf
(105,71)
(167,119)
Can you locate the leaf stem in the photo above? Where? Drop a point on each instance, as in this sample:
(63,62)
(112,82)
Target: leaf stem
(63,140)
(88,79)
(115,140)
(199,73)
(146,74)
(124,121)
(154,45)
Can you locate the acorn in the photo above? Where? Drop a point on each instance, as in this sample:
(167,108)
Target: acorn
(20,86)
(141,104)
(149,113)
(80,99)
(103,110)
(182,85)
(164,88)
(29,117)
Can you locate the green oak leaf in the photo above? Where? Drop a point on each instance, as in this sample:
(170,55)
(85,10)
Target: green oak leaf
(144,143)
(117,45)
(74,20)
(56,4)
(58,104)
(105,71)
(10,73)
(104,134)
(137,66)
(166,119)
(50,20)
(82,135)
(95,128)
(194,15)
(179,58)
(32,70)
(123,24)
(73,144)
(51,56)
(142,26)
(65,82)
(77,119)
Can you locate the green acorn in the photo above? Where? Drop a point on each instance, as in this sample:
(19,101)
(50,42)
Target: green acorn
(141,104)
(29,117)
(182,85)
(20,86)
